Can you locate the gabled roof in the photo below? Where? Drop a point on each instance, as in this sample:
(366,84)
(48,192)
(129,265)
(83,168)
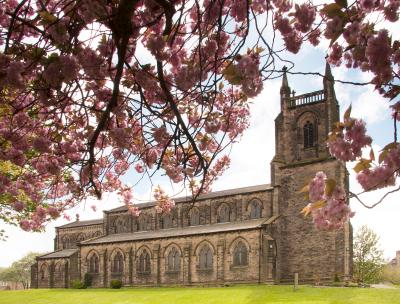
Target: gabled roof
(82,223)
(178,232)
(65,253)
(210,195)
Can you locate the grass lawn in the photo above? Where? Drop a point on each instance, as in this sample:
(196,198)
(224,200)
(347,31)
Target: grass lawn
(227,295)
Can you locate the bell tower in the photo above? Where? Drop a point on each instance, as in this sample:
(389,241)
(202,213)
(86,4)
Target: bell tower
(301,130)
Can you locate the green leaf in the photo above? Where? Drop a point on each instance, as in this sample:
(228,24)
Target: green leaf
(362,164)
(341,3)
(330,185)
(332,10)
(347,113)
(232,75)
(306,188)
(47,17)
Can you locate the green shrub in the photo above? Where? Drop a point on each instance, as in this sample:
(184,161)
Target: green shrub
(336,279)
(87,279)
(116,284)
(77,284)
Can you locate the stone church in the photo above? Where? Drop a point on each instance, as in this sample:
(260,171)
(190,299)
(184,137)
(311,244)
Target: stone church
(247,235)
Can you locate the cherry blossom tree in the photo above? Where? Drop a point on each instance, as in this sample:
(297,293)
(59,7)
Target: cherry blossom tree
(92,88)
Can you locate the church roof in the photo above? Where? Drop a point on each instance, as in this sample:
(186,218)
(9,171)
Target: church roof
(210,195)
(65,253)
(177,232)
(82,223)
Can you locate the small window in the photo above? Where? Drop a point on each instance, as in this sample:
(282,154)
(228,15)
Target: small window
(120,226)
(255,210)
(194,218)
(224,214)
(308,135)
(118,263)
(94,264)
(173,260)
(66,243)
(58,272)
(43,272)
(143,223)
(144,262)
(167,221)
(205,258)
(240,255)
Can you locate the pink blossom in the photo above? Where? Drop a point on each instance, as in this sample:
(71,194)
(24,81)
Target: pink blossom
(305,16)
(18,206)
(139,168)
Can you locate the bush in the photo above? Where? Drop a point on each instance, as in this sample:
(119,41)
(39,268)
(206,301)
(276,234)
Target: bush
(116,284)
(87,279)
(77,284)
(392,274)
(336,279)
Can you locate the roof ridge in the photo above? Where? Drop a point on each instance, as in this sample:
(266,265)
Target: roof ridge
(182,199)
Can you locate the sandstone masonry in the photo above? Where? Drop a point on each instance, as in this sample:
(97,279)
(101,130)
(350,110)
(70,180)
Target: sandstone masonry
(253,234)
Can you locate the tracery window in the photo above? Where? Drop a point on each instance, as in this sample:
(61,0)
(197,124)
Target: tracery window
(255,209)
(66,243)
(143,223)
(94,264)
(144,262)
(167,221)
(194,218)
(308,131)
(224,214)
(118,263)
(240,254)
(173,260)
(58,273)
(43,272)
(205,258)
(119,225)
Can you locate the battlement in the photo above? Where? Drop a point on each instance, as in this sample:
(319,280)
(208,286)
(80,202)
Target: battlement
(304,99)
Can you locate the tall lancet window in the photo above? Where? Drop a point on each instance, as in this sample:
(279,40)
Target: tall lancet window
(308,135)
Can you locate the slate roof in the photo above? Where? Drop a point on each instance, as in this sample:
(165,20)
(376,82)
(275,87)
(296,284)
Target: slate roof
(65,253)
(82,223)
(178,232)
(210,195)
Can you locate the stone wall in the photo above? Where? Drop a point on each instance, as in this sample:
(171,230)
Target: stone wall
(69,237)
(208,209)
(314,254)
(189,273)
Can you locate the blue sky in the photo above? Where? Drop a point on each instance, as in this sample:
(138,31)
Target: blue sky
(252,155)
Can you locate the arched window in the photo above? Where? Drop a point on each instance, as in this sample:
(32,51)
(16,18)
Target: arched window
(308,130)
(167,221)
(118,263)
(144,262)
(43,272)
(205,258)
(80,237)
(255,209)
(94,264)
(143,223)
(119,225)
(194,218)
(224,214)
(66,243)
(240,254)
(173,260)
(58,271)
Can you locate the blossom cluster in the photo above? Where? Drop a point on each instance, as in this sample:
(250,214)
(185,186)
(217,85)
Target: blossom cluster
(328,206)
(164,202)
(347,141)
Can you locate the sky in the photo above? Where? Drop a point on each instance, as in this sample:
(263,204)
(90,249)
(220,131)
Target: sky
(250,158)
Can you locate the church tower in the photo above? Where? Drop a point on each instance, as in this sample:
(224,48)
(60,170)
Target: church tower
(301,130)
